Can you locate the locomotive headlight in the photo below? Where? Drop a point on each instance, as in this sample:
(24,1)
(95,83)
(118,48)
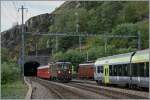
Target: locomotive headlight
(59,72)
(69,72)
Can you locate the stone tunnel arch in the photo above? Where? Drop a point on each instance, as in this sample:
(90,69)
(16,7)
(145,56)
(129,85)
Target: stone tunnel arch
(30,68)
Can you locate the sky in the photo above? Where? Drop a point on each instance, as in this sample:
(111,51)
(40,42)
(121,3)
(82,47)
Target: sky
(10,15)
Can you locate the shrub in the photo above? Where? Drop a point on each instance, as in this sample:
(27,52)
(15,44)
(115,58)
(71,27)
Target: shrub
(10,72)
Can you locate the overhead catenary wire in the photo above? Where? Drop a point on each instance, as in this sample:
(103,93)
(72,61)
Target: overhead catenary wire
(8,13)
(17,14)
(14,13)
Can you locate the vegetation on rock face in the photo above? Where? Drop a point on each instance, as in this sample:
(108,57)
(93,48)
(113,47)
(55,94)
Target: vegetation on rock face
(120,18)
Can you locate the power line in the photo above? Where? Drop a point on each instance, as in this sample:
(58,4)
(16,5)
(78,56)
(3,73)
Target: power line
(105,36)
(16,4)
(81,34)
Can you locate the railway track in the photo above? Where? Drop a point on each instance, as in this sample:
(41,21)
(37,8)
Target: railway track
(63,91)
(56,93)
(81,90)
(111,86)
(114,93)
(84,81)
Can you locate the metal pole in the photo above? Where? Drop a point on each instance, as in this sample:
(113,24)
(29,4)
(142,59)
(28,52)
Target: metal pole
(139,40)
(80,43)
(130,71)
(77,24)
(105,45)
(87,56)
(22,38)
(56,46)
(36,48)
(77,29)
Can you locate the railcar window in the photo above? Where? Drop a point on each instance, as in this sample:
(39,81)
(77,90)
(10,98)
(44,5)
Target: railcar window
(98,69)
(115,70)
(147,69)
(124,70)
(135,69)
(128,69)
(110,70)
(141,69)
(119,70)
(65,66)
(101,70)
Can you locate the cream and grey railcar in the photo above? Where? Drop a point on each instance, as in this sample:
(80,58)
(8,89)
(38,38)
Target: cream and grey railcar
(124,69)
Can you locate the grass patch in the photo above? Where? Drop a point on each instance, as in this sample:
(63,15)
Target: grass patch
(16,90)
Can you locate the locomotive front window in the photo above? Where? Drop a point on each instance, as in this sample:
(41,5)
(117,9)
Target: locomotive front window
(58,66)
(66,66)
(99,69)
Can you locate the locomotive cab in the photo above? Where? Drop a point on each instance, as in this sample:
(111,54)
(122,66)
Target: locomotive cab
(61,71)
(64,71)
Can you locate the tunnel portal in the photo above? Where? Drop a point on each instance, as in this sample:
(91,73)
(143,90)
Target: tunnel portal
(30,68)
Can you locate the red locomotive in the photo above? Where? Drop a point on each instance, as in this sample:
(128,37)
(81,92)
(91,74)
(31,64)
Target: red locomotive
(56,71)
(86,71)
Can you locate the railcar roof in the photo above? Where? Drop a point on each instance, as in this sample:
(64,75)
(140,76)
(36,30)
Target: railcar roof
(141,56)
(42,67)
(122,58)
(125,54)
(63,62)
(115,56)
(86,64)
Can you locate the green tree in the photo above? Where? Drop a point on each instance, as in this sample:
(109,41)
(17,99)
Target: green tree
(125,29)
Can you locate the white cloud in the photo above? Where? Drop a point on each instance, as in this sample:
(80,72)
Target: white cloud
(51,3)
(10,15)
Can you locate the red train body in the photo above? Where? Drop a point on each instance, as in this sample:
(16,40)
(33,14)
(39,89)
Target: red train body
(44,72)
(86,71)
(56,71)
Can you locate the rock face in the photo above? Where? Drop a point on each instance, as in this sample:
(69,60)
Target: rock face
(39,23)
(11,37)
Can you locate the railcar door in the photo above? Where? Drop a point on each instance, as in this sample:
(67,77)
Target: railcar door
(106,73)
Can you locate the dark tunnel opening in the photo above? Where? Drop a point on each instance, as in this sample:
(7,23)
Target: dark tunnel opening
(30,68)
